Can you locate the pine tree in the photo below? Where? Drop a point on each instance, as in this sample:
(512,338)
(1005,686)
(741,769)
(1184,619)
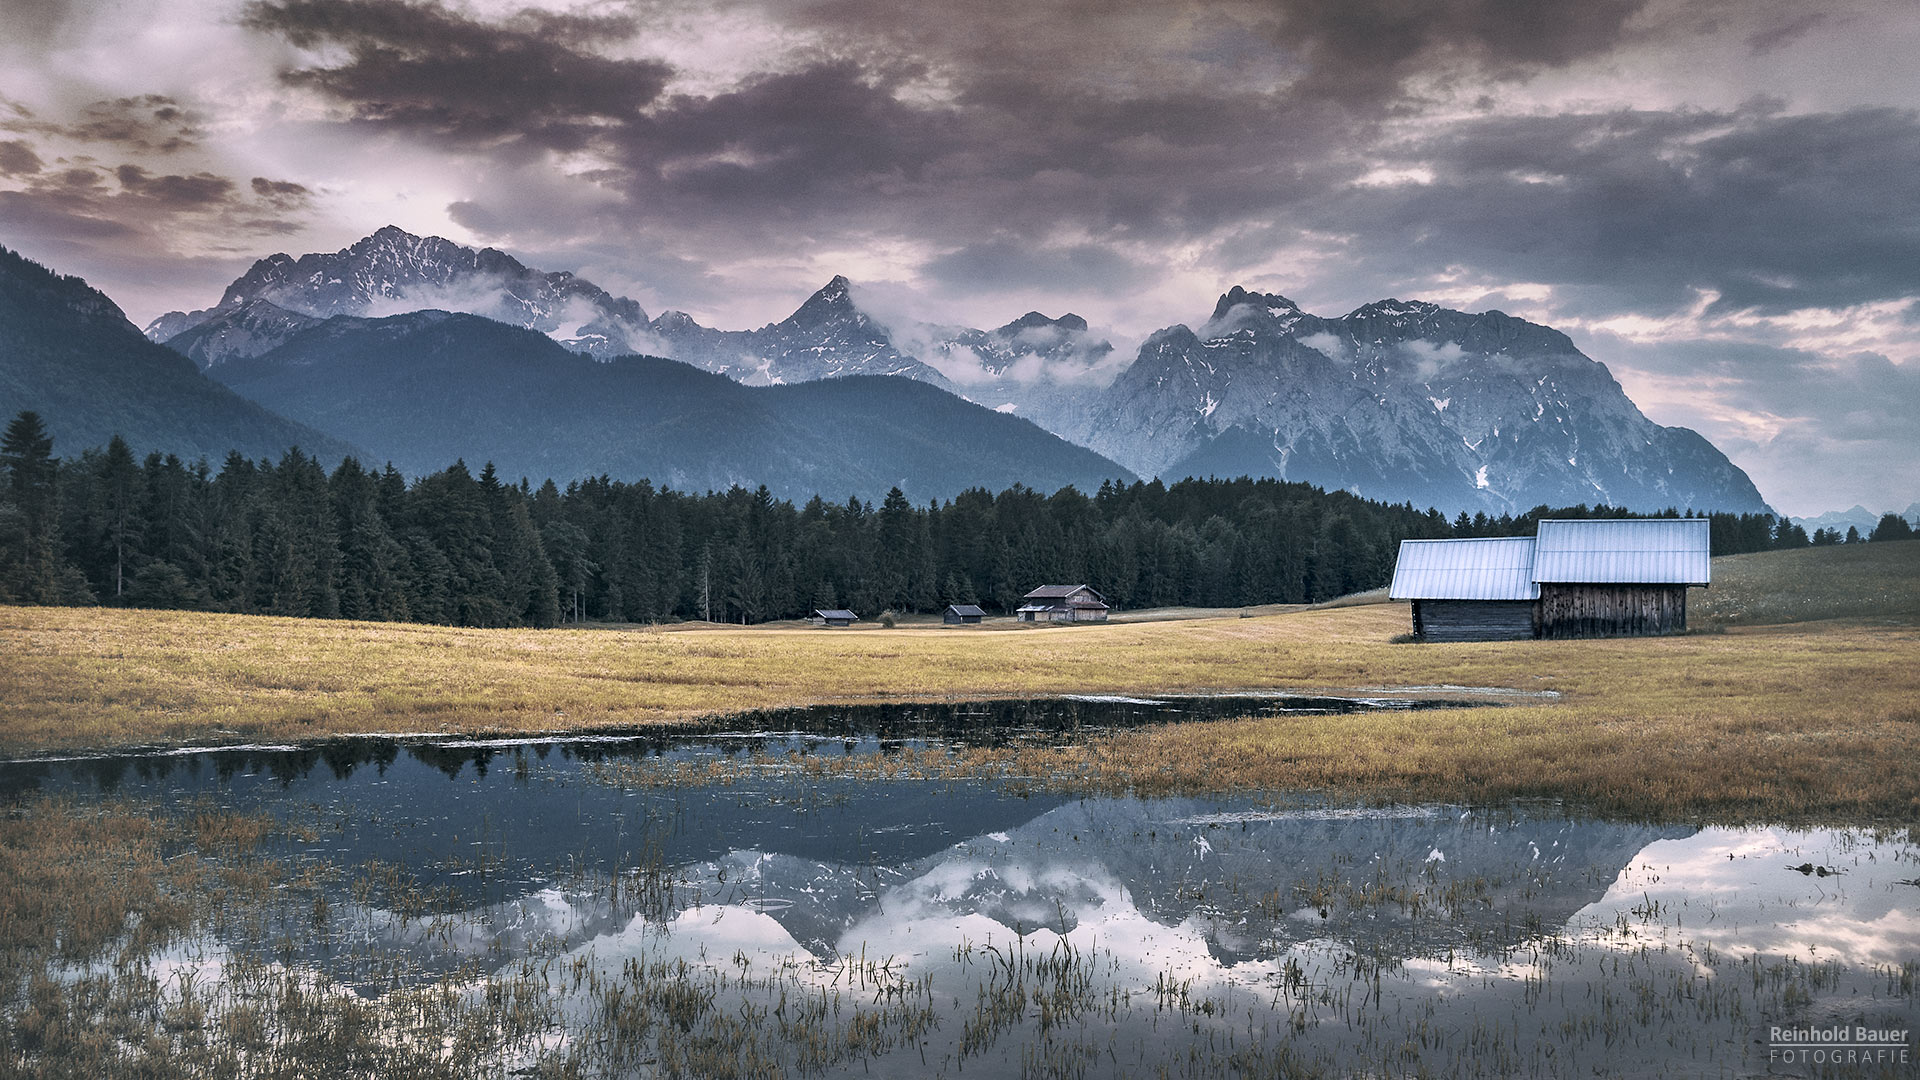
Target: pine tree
(32,569)
(118,483)
(1892,527)
(373,563)
(26,453)
(567,546)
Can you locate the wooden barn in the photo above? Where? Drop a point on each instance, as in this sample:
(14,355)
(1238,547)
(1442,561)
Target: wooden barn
(1576,579)
(961,614)
(1618,578)
(835,617)
(1063,603)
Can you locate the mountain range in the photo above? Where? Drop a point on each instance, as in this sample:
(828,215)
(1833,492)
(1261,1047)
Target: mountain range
(1396,400)
(1859,517)
(423,388)
(1400,401)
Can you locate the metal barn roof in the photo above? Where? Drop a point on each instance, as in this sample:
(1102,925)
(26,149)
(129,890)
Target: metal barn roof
(1644,551)
(834,613)
(966,610)
(1059,592)
(1490,569)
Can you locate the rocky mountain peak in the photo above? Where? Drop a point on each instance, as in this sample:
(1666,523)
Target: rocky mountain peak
(833,303)
(672,320)
(1238,296)
(1400,400)
(1033,320)
(1395,310)
(392,270)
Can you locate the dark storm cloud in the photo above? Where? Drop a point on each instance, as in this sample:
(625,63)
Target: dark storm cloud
(784,136)
(428,68)
(1619,211)
(1105,135)
(148,123)
(143,213)
(1363,52)
(18,159)
(43,215)
(1637,210)
(282,194)
(1785,32)
(174,192)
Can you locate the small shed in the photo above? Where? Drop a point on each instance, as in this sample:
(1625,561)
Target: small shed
(837,617)
(1063,603)
(961,614)
(1575,579)
(1468,590)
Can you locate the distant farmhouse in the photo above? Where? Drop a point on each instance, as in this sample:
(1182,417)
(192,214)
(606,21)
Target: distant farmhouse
(961,614)
(1063,603)
(837,617)
(1576,579)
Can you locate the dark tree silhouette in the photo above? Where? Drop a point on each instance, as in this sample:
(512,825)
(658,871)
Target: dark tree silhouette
(285,537)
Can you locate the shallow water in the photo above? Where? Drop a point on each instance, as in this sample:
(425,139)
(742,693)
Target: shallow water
(990,928)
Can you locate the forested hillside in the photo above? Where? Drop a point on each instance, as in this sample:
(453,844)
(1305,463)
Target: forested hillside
(285,537)
(68,354)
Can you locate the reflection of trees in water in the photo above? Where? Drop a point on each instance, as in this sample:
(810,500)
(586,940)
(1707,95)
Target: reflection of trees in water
(973,723)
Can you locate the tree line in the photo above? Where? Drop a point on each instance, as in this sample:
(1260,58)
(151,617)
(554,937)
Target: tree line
(287,537)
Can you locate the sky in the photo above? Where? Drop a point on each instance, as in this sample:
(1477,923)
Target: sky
(1719,199)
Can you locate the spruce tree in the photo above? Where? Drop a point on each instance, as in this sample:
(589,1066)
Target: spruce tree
(118,481)
(32,570)
(1892,527)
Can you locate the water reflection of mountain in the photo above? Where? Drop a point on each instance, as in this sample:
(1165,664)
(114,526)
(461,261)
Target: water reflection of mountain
(1250,882)
(822,855)
(1402,880)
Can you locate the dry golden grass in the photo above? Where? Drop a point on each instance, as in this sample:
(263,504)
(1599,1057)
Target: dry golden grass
(1809,719)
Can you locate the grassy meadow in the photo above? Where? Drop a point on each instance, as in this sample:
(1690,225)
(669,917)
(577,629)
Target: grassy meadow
(1760,719)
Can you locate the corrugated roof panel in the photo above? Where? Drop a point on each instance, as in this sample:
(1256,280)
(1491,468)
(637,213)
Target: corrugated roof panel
(1055,592)
(1655,551)
(1499,568)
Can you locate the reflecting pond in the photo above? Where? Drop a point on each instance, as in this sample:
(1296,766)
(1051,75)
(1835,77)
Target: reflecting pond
(780,915)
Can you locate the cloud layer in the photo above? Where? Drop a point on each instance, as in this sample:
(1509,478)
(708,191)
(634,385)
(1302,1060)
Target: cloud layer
(1674,183)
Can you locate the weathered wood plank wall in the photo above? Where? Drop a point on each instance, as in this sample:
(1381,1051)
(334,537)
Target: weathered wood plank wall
(1473,620)
(1579,611)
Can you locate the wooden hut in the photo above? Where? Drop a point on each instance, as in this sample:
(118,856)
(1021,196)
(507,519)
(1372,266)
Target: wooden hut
(1468,590)
(1063,603)
(1618,577)
(1588,578)
(961,614)
(834,617)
